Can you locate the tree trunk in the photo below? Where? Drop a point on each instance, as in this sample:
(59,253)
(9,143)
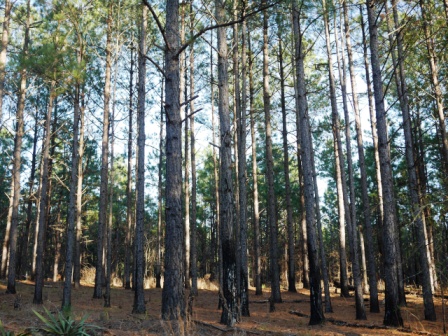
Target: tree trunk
(158,266)
(77,257)
(129,196)
(44,202)
(173,305)
(23,256)
(193,253)
(343,211)
(242,171)
(350,207)
(271,211)
(289,220)
(392,315)
(371,264)
(257,252)
(230,313)
(102,218)
(3,52)
(437,90)
(5,246)
(414,191)
(139,266)
(317,315)
(11,286)
(184,111)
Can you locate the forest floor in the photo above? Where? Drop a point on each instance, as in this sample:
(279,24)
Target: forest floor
(119,321)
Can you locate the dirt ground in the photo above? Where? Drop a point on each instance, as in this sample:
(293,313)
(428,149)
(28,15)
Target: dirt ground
(118,319)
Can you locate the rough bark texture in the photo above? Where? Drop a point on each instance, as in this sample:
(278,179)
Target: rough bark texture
(230,314)
(317,315)
(414,191)
(173,305)
(129,197)
(371,264)
(3,52)
(242,170)
(158,266)
(392,316)
(343,212)
(13,233)
(271,211)
(99,276)
(193,253)
(289,220)
(139,266)
(256,221)
(350,190)
(44,203)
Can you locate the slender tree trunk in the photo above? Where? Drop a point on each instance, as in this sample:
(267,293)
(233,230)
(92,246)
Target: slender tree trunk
(57,244)
(272,220)
(350,207)
(230,314)
(77,256)
(129,197)
(375,147)
(437,90)
(5,246)
(371,264)
(111,198)
(392,315)
(23,256)
(72,210)
(193,253)
(289,220)
(11,286)
(173,305)
(3,52)
(139,266)
(317,315)
(414,192)
(242,171)
(343,211)
(158,267)
(257,252)
(44,202)
(99,276)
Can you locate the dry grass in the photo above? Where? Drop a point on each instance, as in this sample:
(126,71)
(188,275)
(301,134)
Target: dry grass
(119,321)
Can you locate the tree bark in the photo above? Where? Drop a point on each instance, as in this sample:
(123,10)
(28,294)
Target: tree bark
(173,305)
(350,207)
(158,266)
(392,315)
(343,211)
(289,220)
(230,314)
(44,202)
(371,264)
(18,139)
(242,171)
(256,221)
(77,257)
(129,196)
(272,220)
(99,276)
(413,188)
(193,253)
(317,315)
(3,54)
(139,266)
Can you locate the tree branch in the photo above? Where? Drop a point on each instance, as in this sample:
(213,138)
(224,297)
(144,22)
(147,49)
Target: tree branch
(156,65)
(188,116)
(221,25)
(156,18)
